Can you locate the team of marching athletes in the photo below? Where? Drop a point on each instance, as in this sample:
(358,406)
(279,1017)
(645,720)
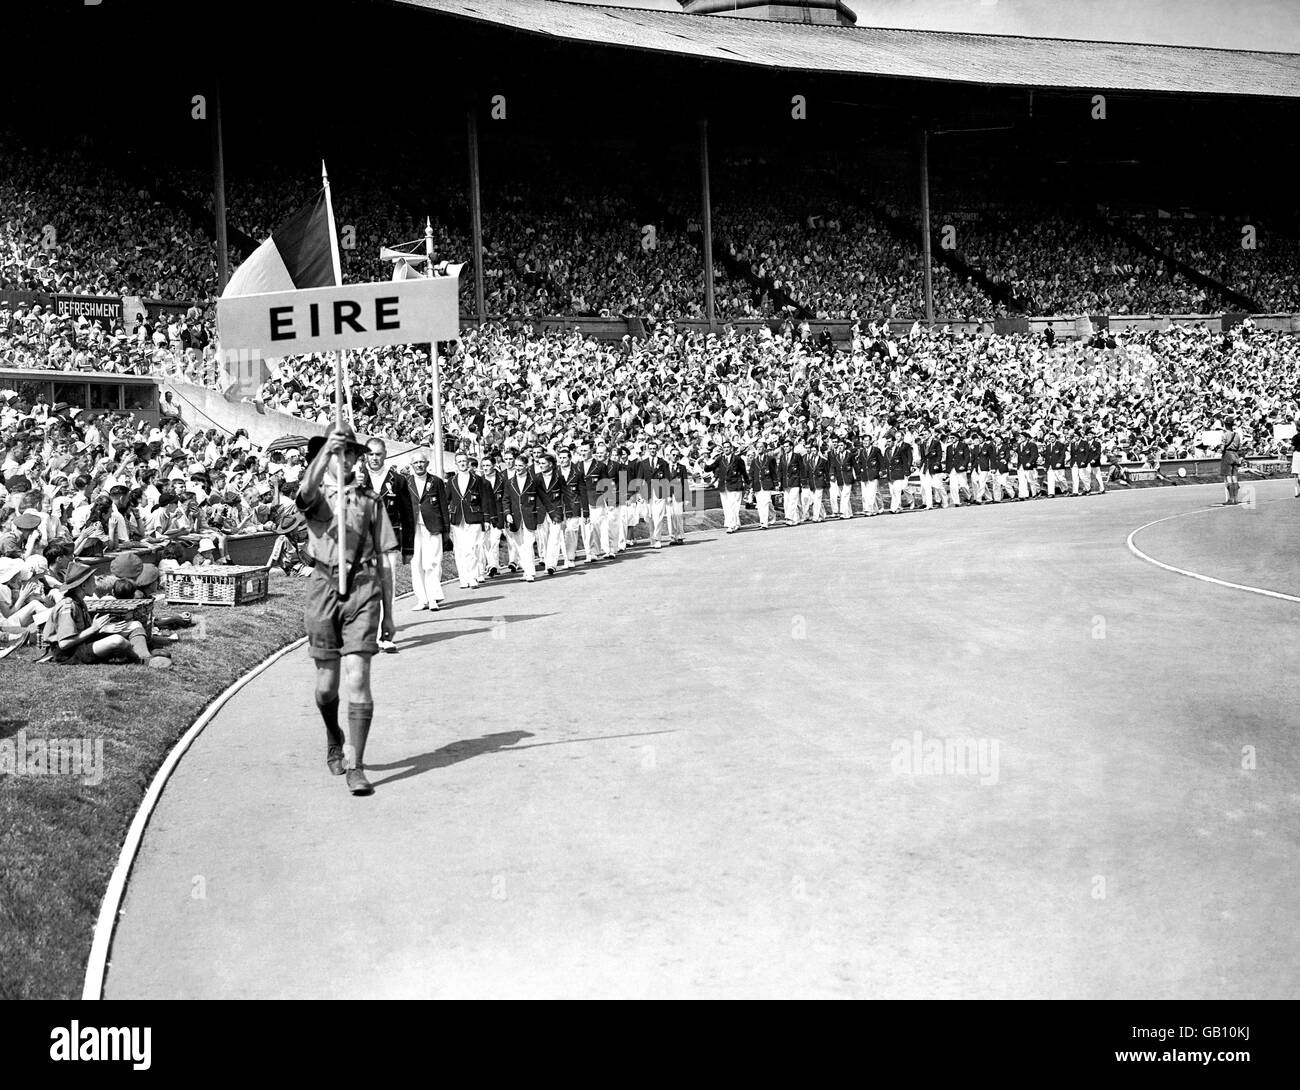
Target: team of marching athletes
(548,506)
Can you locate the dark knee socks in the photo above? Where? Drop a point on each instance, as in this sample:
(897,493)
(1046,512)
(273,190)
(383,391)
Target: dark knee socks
(329,712)
(359,716)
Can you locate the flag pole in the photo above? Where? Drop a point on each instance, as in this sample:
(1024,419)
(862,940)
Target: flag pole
(338,398)
(439,455)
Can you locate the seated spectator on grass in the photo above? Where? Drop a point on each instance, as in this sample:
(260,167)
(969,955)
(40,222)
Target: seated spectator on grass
(23,590)
(77,639)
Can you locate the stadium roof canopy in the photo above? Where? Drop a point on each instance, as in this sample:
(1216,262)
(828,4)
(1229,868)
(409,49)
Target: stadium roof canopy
(984,59)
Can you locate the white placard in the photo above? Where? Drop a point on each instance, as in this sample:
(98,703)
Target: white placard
(291,323)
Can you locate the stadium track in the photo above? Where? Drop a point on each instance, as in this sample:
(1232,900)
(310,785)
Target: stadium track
(674,779)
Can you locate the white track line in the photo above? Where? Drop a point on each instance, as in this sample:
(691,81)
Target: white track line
(97,964)
(1197,575)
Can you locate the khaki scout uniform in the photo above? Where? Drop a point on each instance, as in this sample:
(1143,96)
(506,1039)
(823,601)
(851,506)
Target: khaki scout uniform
(349,625)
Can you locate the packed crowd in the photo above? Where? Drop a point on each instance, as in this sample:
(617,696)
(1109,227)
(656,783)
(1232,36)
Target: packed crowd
(1059,264)
(1268,273)
(1148,393)
(76,488)
(568,240)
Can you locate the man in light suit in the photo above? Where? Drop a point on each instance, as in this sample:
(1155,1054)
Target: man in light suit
(429,529)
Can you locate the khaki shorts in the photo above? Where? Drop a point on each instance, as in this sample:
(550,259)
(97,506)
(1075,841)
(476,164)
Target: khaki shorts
(337,627)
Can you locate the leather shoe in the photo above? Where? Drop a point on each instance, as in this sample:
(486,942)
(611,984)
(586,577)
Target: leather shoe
(357,782)
(334,760)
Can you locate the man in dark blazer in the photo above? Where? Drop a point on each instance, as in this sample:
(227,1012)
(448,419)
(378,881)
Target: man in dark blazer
(679,489)
(552,489)
(898,456)
(470,511)
(930,453)
(985,453)
(1027,468)
(428,532)
(842,478)
(1078,462)
(789,468)
(731,480)
(866,466)
(763,479)
(620,472)
(815,479)
(524,511)
(601,488)
(653,473)
(577,513)
(390,486)
(1095,463)
(494,479)
(957,462)
(1057,457)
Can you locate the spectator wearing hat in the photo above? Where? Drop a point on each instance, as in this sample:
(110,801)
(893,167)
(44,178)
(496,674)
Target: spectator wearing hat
(77,639)
(23,590)
(20,541)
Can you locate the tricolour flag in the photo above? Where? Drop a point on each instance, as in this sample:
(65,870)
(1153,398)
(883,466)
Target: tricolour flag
(297,255)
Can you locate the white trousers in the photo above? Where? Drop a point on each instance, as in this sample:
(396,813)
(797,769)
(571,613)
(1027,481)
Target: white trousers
(868,490)
(1074,480)
(426,566)
(764,502)
(932,488)
(595,533)
(792,506)
(846,500)
(896,490)
(956,482)
(490,549)
(979,486)
(618,528)
(676,519)
(731,509)
(658,515)
(814,503)
(1055,479)
(521,550)
(465,538)
(549,542)
(572,528)
(1028,481)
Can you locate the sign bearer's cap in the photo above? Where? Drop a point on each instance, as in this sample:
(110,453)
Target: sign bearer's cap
(316,442)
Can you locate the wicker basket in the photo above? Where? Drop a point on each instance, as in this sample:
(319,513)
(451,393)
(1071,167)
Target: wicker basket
(216,585)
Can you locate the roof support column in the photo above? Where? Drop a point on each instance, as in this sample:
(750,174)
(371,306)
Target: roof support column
(925,224)
(706,224)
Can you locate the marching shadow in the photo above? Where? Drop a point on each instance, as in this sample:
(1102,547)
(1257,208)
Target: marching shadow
(491,622)
(465,748)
